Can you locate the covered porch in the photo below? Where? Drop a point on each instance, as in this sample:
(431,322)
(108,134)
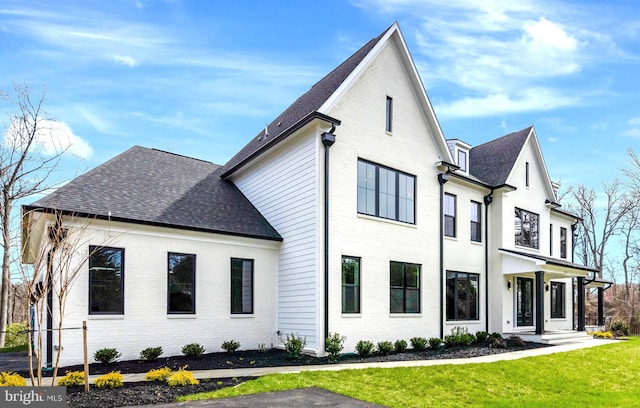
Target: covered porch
(531,276)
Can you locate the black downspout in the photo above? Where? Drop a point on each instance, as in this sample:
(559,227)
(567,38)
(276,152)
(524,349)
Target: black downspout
(442,179)
(328,139)
(488,199)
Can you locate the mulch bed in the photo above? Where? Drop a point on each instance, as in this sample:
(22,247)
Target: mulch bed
(156,393)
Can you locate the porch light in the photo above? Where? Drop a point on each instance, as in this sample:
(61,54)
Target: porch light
(509,284)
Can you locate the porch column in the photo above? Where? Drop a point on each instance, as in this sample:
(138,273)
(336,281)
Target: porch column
(600,306)
(580,304)
(539,302)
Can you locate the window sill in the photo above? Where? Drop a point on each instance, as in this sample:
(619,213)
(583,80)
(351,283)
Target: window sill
(450,238)
(243,316)
(405,315)
(386,220)
(477,243)
(388,132)
(351,315)
(458,322)
(558,319)
(106,317)
(182,316)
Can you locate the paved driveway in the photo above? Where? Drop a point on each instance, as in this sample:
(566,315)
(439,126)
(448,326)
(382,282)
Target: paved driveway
(304,397)
(14,361)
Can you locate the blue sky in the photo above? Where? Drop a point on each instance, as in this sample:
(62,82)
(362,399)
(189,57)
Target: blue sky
(200,78)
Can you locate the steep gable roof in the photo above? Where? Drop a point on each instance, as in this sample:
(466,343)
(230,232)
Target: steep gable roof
(304,106)
(493,161)
(153,187)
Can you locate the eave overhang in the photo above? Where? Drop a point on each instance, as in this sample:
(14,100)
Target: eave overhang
(517,262)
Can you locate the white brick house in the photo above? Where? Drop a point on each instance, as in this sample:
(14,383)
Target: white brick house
(349,213)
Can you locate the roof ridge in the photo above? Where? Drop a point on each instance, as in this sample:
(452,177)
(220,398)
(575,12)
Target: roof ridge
(182,155)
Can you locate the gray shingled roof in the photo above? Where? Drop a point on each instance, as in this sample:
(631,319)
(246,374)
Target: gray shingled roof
(153,187)
(493,161)
(309,102)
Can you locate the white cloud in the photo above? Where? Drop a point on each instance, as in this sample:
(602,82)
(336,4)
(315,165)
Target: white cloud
(534,99)
(52,137)
(633,122)
(125,60)
(633,132)
(501,52)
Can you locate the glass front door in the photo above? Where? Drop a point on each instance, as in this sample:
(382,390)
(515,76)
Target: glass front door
(524,301)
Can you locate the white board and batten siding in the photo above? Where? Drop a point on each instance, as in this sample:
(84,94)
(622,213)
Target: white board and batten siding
(284,185)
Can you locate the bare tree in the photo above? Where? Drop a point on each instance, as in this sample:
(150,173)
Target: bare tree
(600,223)
(54,265)
(25,168)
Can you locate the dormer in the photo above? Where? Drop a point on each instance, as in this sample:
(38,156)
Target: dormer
(460,153)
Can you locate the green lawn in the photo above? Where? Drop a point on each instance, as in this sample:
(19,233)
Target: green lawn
(22,347)
(607,375)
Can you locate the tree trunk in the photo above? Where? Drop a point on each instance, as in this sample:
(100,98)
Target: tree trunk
(6,272)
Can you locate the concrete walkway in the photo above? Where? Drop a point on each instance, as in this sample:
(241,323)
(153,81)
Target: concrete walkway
(260,371)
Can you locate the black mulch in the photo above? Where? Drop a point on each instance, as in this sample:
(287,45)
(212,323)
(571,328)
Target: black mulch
(156,393)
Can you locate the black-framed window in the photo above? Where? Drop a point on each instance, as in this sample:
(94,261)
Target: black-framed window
(241,286)
(551,240)
(462,160)
(405,287)
(526,176)
(526,228)
(476,221)
(558,300)
(462,296)
(389,114)
(385,192)
(350,284)
(181,283)
(563,242)
(106,280)
(449,215)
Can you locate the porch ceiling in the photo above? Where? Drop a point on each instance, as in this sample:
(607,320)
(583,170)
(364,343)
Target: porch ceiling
(522,263)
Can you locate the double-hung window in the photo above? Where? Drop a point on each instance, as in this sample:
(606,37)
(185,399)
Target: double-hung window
(526,228)
(405,287)
(386,193)
(350,284)
(181,283)
(241,286)
(462,296)
(476,221)
(449,215)
(563,243)
(557,300)
(106,280)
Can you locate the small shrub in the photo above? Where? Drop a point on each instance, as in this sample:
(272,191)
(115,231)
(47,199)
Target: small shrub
(106,355)
(496,341)
(400,346)
(435,342)
(364,348)
(112,380)
(8,379)
(16,335)
(459,340)
(159,374)
(335,345)
(385,347)
(419,343)
(602,335)
(151,353)
(482,336)
(193,350)
(294,345)
(181,378)
(230,346)
(72,378)
(619,328)
(515,340)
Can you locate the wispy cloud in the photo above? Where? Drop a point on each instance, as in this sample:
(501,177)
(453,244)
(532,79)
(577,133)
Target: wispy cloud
(501,56)
(634,128)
